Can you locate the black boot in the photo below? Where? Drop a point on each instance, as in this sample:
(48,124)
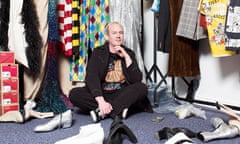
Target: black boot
(119,131)
(192,88)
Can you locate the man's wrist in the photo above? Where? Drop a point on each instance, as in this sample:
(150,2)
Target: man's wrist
(99,99)
(128,61)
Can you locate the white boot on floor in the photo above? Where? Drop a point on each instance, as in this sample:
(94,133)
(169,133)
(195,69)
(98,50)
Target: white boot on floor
(63,120)
(88,134)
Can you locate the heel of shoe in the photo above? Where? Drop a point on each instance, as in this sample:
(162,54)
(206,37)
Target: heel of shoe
(63,120)
(67,124)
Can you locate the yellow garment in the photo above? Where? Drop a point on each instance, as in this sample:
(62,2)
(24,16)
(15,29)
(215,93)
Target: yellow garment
(215,12)
(116,74)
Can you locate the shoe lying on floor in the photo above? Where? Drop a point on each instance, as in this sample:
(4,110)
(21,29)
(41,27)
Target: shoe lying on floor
(118,132)
(222,130)
(179,138)
(63,120)
(88,134)
(166,132)
(96,115)
(124,113)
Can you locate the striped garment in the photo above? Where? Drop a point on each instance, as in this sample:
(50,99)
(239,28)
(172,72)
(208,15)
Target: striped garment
(65,25)
(75,26)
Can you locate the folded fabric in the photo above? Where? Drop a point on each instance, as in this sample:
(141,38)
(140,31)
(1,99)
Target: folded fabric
(88,134)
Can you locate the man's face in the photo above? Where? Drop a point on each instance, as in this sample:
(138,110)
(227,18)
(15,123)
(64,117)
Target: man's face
(115,35)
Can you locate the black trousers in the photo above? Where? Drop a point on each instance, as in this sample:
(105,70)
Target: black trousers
(127,97)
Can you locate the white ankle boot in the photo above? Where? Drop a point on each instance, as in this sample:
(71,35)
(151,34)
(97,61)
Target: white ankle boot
(63,120)
(88,134)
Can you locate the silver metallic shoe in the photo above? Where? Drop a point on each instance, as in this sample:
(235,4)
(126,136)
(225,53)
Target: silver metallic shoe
(222,130)
(63,120)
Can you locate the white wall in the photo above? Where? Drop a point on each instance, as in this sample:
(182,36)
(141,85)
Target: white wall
(220,77)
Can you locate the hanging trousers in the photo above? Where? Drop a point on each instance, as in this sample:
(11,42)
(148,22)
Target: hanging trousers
(127,97)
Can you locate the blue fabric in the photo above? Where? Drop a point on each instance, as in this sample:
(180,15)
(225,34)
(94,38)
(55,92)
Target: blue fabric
(51,99)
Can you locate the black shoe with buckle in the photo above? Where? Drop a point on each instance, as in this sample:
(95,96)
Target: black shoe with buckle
(96,115)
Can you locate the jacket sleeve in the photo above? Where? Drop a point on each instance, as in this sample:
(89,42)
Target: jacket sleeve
(93,75)
(133,73)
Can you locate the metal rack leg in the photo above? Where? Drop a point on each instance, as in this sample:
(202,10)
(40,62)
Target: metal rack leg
(174,93)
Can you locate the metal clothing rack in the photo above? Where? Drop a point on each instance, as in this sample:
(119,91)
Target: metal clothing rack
(192,100)
(155,69)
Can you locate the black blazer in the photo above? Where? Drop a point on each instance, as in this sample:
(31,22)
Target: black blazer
(97,68)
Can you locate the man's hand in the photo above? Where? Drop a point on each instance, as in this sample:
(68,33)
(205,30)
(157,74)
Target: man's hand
(104,106)
(122,53)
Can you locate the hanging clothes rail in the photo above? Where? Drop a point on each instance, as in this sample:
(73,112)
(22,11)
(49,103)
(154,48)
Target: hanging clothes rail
(190,95)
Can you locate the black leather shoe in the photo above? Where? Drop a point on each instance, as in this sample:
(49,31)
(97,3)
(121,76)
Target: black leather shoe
(167,133)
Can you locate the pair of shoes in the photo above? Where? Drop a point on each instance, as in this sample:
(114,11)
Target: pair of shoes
(88,134)
(96,115)
(63,120)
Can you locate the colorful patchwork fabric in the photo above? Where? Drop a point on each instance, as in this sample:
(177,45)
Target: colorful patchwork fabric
(215,13)
(89,20)
(65,25)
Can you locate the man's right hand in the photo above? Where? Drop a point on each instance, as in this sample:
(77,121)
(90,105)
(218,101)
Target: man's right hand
(104,106)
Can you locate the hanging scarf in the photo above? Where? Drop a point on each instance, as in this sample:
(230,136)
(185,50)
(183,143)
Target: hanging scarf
(52,100)
(33,38)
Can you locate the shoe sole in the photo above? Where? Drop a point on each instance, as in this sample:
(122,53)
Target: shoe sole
(124,113)
(94,116)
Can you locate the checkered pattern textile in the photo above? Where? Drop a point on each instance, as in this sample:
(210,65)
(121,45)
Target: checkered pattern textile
(188,25)
(89,20)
